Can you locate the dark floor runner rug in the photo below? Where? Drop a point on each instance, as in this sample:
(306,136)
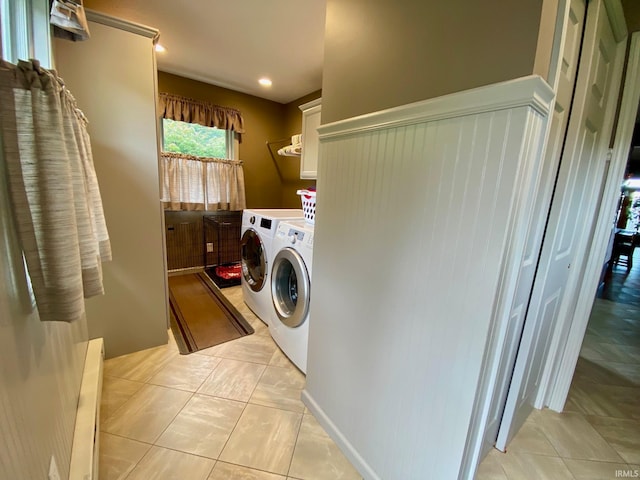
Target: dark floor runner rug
(201,316)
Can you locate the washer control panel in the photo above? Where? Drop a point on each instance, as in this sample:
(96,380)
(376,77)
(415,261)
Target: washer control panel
(295,236)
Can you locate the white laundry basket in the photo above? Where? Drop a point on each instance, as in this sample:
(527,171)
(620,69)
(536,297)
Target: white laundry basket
(308,198)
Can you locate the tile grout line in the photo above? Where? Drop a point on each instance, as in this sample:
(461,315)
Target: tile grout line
(546,437)
(192,393)
(239,417)
(104,420)
(247,403)
(295,444)
(584,417)
(147,382)
(567,467)
(597,349)
(165,428)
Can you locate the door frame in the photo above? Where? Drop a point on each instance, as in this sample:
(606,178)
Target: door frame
(576,203)
(561,362)
(476,447)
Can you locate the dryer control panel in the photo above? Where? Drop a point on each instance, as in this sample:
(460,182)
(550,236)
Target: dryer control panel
(265,223)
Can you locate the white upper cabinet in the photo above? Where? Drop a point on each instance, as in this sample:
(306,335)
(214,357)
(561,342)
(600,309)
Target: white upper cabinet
(310,142)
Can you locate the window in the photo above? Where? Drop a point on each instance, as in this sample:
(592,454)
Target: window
(200,162)
(197,140)
(24,31)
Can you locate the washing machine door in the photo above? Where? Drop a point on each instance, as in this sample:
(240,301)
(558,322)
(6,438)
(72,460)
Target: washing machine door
(290,287)
(254,260)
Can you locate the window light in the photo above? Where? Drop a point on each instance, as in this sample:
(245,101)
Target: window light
(632,183)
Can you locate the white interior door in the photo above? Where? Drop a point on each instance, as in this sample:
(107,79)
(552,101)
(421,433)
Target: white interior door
(561,363)
(572,213)
(566,67)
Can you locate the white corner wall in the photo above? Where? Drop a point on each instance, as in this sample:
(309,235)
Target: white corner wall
(112,76)
(420,224)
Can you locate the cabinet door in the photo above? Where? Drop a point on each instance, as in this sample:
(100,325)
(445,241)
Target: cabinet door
(310,142)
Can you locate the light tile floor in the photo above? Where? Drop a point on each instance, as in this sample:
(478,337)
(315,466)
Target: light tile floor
(234,412)
(597,437)
(229,412)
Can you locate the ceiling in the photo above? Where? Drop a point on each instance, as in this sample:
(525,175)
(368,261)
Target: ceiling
(234,43)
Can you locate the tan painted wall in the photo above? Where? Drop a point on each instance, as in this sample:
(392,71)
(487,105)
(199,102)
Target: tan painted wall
(632,14)
(381,54)
(113,79)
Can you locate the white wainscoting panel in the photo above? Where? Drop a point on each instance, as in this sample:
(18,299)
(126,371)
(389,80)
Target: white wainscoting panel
(420,232)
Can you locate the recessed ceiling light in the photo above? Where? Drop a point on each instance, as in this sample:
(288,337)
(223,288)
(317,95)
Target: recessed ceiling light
(265,82)
(160,48)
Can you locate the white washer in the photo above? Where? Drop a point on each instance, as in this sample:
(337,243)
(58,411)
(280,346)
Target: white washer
(291,289)
(257,233)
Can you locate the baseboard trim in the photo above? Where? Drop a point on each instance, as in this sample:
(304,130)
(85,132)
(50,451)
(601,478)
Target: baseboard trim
(86,445)
(345,446)
(184,271)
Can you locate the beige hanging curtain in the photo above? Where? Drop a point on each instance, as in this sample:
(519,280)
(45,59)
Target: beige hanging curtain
(175,107)
(196,183)
(53,190)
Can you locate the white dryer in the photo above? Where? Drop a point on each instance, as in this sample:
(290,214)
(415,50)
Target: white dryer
(257,233)
(291,289)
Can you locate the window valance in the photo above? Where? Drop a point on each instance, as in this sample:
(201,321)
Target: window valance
(183,109)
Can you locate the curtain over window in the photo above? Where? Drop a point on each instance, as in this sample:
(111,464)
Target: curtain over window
(200,183)
(53,189)
(175,107)
(197,183)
